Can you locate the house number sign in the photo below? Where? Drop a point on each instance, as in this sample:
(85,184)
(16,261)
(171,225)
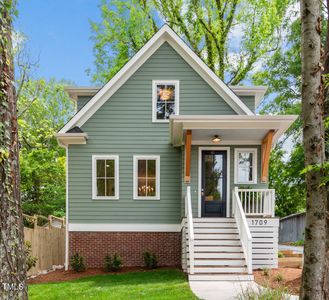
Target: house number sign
(256,222)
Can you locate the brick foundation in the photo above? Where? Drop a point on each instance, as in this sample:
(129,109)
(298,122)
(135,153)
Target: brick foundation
(93,246)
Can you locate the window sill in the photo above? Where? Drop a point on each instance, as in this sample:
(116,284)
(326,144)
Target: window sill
(105,198)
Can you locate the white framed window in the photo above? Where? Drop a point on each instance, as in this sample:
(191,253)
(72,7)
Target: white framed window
(165,99)
(245,166)
(146,177)
(105,177)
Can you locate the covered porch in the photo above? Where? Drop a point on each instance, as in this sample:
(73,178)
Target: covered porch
(214,147)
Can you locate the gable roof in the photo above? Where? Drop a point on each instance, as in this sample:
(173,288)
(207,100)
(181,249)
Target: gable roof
(165,34)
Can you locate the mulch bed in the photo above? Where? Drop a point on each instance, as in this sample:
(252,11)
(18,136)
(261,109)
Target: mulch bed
(62,275)
(291,279)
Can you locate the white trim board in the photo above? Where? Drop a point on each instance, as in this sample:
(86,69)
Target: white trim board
(95,227)
(228,192)
(165,34)
(67,212)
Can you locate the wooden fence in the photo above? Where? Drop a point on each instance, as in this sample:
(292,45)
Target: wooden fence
(47,244)
(292,228)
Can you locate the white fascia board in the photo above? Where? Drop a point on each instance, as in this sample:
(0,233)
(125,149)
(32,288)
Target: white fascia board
(165,34)
(257,91)
(74,92)
(65,139)
(94,227)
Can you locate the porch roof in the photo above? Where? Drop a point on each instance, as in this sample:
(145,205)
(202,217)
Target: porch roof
(236,129)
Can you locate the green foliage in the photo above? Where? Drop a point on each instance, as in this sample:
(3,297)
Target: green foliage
(264,294)
(112,264)
(31,261)
(150,260)
(287,180)
(278,277)
(280,254)
(43,108)
(298,243)
(266,272)
(208,26)
(77,263)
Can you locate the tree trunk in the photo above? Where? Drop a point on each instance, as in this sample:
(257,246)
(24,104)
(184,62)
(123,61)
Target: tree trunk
(313,140)
(326,116)
(12,251)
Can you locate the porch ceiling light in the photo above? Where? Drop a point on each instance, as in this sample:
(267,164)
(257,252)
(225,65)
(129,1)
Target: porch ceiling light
(216,139)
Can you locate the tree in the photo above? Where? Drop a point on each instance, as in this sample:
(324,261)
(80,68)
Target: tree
(43,107)
(12,252)
(313,142)
(207,26)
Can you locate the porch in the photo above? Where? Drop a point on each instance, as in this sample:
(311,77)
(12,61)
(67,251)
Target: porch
(230,226)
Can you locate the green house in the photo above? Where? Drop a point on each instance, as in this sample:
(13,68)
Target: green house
(165,157)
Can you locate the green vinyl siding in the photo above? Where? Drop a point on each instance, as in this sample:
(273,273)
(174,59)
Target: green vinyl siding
(82,101)
(249,101)
(123,126)
(195,174)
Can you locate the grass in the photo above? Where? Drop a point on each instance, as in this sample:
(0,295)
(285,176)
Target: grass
(157,285)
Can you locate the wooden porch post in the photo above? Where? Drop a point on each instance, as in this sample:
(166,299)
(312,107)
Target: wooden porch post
(188,142)
(266,150)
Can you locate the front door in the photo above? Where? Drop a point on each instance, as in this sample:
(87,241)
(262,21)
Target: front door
(214,183)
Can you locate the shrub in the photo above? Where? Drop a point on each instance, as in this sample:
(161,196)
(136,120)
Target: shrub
(31,261)
(298,243)
(280,254)
(150,260)
(266,272)
(112,264)
(77,263)
(264,294)
(278,277)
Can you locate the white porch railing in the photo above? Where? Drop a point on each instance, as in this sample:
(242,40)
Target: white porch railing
(257,202)
(189,221)
(243,228)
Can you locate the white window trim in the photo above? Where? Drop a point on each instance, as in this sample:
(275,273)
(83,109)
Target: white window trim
(116,177)
(157,175)
(154,98)
(254,166)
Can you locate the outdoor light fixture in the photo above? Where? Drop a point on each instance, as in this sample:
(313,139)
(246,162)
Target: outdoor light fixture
(216,139)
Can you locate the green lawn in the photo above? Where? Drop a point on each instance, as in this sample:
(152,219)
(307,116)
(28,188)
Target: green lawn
(155,285)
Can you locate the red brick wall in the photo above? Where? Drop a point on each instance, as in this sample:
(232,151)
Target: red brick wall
(129,245)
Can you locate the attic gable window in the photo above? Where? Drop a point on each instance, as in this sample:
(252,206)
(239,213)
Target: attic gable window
(105,177)
(165,99)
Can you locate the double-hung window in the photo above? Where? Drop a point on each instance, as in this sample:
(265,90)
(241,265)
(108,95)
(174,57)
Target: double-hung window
(146,177)
(105,176)
(165,99)
(245,166)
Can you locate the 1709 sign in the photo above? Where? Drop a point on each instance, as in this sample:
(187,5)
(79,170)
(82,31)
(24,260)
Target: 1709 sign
(258,222)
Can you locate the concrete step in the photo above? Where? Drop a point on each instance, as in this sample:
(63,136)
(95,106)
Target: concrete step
(220,277)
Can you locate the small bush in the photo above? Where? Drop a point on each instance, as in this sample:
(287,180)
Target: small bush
(150,260)
(77,263)
(31,261)
(298,243)
(264,294)
(112,264)
(266,272)
(278,277)
(280,254)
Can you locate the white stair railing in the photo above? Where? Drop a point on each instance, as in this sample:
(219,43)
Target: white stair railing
(189,221)
(243,228)
(258,202)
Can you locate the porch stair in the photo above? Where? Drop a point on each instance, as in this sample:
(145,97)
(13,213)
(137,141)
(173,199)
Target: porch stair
(218,252)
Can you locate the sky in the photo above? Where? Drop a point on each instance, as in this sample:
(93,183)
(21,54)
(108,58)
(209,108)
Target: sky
(58,33)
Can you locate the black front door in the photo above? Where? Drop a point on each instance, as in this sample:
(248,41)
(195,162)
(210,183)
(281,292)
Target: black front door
(214,180)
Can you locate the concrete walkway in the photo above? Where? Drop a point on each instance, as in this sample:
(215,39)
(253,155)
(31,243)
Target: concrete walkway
(223,290)
(295,249)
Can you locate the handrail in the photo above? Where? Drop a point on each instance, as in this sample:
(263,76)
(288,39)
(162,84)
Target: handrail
(189,217)
(258,202)
(244,232)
